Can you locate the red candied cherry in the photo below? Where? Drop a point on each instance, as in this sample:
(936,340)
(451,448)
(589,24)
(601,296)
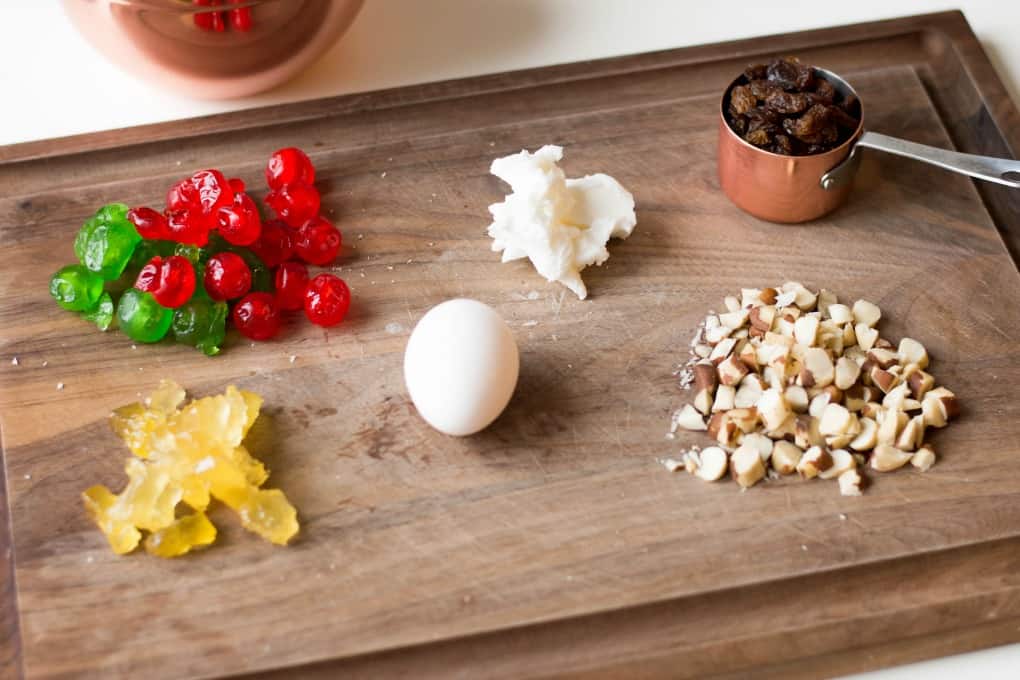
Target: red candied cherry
(294,203)
(241,18)
(236,184)
(257,316)
(275,244)
(171,280)
(185,226)
(327,300)
(149,223)
(287,166)
(239,223)
(317,242)
(291,282)
(227,276)
(204,191)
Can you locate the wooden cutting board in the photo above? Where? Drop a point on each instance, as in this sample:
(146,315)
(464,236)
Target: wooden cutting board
(553,543)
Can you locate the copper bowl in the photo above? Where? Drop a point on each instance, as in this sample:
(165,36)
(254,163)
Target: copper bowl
(782,188)
(161,41)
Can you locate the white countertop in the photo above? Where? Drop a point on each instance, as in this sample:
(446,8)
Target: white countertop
(55,84)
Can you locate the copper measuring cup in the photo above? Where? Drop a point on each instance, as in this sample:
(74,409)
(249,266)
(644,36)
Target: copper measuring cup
(793,189)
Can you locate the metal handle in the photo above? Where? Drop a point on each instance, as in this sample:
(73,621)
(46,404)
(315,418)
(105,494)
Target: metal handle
(980,167)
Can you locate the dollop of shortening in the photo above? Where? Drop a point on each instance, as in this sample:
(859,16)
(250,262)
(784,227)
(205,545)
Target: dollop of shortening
(562,225)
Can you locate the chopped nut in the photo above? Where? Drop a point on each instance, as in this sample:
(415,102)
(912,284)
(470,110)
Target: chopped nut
(734,320)
(716,333)
(907,439)
(840,314)
(749,356)
(762,317)
(722,350)
(826,298)
(768,295)
(883,379)
(731,371)
(913,352)
(883,358)
(835,420)
(722,429)
(866,313)
(689,419)
(796,398)
(885,458)
(894,398)
(805,330)
(938,407)
(868,436)
(749,392)
(760,442)
(818,370)
(785,457)
(871,409)
(866,336)
(806,432)
(745,419)
(889,425)
(750,297)
(923,459)
(920,383)
(841,462)
(714,462)
(850,483)
(815,460)
(847,372)
(747,466)
(772,408)
(724,396)
(849,336)
(702,351)
(732,303)
(818,404)
(703,401)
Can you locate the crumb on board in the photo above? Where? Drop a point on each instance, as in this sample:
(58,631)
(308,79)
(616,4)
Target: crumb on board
(14,361)
(842,516)
(382,176)
(60,386)
(293,358)
(45,364)
(529,324)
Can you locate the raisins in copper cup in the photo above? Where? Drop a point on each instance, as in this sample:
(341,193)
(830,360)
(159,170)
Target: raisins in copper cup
(781,127)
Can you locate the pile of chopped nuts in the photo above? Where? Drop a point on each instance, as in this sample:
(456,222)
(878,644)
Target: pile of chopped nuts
(792,381)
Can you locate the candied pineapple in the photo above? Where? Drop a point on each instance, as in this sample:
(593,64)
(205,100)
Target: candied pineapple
(184,457)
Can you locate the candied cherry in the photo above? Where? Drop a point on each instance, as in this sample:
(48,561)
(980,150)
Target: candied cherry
(241,18)
(274,245)
(291,282)
(185,226)
(227,276)
(287,166)
(171,280)
(149,223)
(205,191)
(236,184)
(317,241)
(239,223)
(327,300)
(257,316)
(294,203)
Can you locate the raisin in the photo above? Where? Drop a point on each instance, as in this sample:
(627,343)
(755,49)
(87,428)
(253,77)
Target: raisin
(741,100)
(761,88)
(787,102)
(755,72)
(783,73)
(824,92)
(758,137)
(783,145)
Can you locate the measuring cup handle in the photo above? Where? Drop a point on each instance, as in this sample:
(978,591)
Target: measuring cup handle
(999,170)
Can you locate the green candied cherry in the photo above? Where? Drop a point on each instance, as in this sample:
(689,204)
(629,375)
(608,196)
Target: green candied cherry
(202,323)
(142,318)
(106,242)
(148,249)
(76,288)
(102,313)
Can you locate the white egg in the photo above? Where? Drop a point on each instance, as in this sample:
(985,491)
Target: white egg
(460,366)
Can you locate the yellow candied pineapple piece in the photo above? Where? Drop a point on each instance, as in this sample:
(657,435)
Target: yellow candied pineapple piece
(188,454)
(185,533)
(122,534)
(267,513)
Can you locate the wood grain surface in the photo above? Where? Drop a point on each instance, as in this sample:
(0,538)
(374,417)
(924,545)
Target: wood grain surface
(553,543)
